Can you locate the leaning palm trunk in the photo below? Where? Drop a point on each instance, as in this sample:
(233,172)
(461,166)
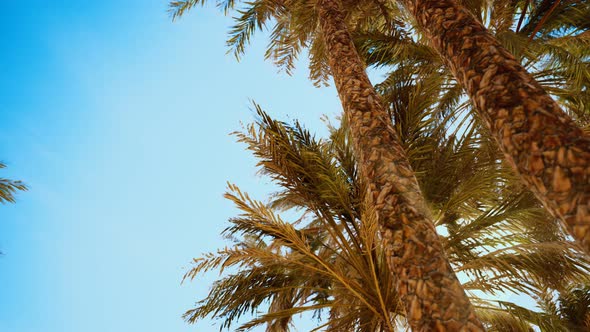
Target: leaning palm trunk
(549,152)
(428,288)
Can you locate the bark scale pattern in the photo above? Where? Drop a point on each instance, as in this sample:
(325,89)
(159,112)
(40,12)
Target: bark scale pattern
(547,149)
(433,297)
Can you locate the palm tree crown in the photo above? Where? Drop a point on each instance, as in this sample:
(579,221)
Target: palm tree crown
(330,259)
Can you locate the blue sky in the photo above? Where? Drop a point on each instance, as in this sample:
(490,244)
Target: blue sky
(118,120)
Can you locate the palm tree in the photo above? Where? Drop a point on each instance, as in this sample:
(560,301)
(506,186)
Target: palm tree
(331,259)
(559,63)
(540,141)
(426,284)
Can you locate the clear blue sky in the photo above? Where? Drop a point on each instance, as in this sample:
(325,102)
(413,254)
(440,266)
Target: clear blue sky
(118,120)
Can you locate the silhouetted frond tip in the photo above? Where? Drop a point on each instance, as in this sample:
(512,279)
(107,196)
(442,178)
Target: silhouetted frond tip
(8,188)
(178,8)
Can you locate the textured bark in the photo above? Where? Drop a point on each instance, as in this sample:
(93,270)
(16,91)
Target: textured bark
(547,149)
(433,297)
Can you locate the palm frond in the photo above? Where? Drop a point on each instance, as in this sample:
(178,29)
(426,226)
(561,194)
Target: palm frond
(8,188)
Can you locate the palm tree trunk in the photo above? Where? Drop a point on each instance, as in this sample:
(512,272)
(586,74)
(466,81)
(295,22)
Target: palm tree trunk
(433,297)
(546,148)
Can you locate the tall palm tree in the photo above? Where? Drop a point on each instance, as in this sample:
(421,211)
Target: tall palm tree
(331,259)
(559,62)
(540,141)
(426,284)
